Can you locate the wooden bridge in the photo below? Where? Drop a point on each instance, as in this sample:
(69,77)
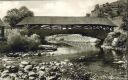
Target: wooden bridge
(90,26)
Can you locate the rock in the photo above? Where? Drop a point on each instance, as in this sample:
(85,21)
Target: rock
(13,55)
(7,67)
(20,73)
(119,62)
(21,66)
(6,60)
(63,70)
(66,60)
(7,78)
(114,42)
(54,69)
(42,78)
(13,75)
(32,78)
(47,47)
(41,73)
(36,68)
(28,68)
(25,62)
(32,74)
(4,75)
(42,68)
(52,78)
(57,64)
(24,55)
(13,69)
(24,76)
(63,62)
(70,64)
(5,71)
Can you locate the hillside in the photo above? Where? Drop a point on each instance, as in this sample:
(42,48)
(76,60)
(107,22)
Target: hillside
(113,11)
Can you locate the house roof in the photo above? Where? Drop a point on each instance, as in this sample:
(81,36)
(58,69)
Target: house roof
(1,23)
(5,25)
(66,20)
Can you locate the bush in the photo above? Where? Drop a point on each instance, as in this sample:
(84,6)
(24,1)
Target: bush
(33,41)
(24,31)
(19,42)
(4,47)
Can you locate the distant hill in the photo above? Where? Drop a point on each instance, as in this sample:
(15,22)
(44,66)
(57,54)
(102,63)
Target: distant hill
(114,11)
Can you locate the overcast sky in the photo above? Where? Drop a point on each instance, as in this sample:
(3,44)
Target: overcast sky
(53,7)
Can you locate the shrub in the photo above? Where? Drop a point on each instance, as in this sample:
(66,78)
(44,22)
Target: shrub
(33,41)
(16,41)
(19,42)
(4,47)
(24,31)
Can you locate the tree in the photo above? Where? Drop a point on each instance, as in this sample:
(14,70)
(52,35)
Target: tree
(125,21)
(97,6)
(88,15)
(124,26)
(14,16)
(99,11)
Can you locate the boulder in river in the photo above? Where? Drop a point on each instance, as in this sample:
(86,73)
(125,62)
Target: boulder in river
(31,73)
(31,78)
(41,73)
(25,62)
(28,68)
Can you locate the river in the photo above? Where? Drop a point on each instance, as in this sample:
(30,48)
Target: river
(97,60)
(102,62)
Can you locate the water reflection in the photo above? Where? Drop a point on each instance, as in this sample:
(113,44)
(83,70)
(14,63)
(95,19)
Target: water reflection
(69,52)
(114,56)
(117,60)
(106,55)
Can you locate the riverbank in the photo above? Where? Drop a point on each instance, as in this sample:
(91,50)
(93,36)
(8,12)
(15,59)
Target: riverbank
(117,40)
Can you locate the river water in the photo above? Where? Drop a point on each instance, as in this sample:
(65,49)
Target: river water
(105,63)
(97,60)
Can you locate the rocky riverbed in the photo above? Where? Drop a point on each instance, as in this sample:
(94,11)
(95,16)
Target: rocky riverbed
(54,70)
(80,68)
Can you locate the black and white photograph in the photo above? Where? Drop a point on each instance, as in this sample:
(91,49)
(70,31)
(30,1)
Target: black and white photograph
(63,39)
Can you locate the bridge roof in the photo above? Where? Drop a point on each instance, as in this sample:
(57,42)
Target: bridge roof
(66,20)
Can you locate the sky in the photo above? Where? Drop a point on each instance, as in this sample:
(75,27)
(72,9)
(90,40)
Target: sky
(53,7)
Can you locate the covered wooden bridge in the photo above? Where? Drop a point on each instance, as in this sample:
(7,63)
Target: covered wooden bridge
(86,25)
(51,22)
